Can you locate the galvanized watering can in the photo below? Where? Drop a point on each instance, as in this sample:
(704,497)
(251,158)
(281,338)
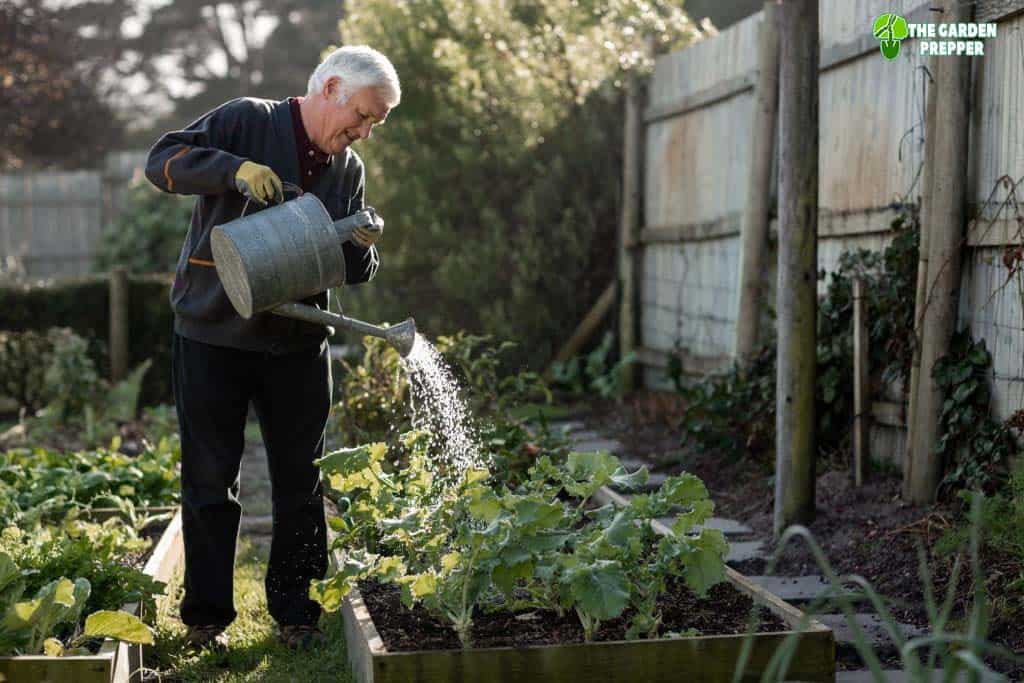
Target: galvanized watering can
(271,259)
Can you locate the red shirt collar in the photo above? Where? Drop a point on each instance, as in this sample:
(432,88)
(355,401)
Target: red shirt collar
(302,142)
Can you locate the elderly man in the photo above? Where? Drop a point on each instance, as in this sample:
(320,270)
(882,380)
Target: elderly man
(234,156)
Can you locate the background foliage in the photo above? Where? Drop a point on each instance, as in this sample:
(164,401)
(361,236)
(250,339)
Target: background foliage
(82,305)
(499,172)
(149,232)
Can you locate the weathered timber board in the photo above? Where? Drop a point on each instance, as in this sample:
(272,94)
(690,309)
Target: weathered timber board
(115,662)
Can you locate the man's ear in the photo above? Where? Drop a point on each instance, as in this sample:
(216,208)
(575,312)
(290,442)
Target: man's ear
(332,86)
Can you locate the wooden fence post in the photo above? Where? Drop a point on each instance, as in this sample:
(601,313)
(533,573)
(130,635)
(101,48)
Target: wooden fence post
(795,443)
(629,224)
(118,323)
(754,231)
(924,218)
(948,192)
(861,383)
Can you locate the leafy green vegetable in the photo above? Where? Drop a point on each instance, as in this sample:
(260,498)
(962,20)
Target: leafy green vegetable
(532,545)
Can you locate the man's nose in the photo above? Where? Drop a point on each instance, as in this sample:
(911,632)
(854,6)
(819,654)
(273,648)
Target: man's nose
(366,130)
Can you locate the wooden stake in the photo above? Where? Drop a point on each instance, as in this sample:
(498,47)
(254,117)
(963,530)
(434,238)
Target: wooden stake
(118,323)
(861,383)
(922,273)
(949,188)
(795,443)
(629,224)
(754,230)
(585,330)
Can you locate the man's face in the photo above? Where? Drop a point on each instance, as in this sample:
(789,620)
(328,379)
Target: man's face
(354,120)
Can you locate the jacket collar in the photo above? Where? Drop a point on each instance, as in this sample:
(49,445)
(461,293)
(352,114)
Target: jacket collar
(284,131)
(285,134)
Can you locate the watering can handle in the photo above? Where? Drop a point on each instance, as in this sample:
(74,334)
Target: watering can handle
(286,186)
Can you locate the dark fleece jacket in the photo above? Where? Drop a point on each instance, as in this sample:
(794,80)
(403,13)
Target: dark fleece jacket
(202,160)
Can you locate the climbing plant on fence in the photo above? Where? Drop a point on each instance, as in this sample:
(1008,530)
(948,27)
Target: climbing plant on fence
(734,411)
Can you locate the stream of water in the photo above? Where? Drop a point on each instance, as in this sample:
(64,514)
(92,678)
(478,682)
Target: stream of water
(437,406)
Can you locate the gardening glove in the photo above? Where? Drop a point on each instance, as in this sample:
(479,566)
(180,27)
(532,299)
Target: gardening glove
(367,236)
(259,183)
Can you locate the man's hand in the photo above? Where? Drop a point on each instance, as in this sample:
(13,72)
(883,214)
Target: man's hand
(259,183)
(366,237)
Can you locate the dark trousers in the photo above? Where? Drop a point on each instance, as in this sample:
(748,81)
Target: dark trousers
(291,393)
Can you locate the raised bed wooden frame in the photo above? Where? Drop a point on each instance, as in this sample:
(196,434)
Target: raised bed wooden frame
(701,658)
(115,662)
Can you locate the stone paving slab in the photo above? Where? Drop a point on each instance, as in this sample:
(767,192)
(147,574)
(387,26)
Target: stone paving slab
(588,445)
(896,676)
(741,551)
(871,625)
(729,527)
(567,426)
(585,435)
(794,588)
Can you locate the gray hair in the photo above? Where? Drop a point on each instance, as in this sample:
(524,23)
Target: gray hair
(358,67)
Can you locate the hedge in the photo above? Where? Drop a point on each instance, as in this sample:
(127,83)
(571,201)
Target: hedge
(82,304)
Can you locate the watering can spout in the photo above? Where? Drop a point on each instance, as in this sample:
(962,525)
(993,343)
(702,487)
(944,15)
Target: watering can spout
(401,336)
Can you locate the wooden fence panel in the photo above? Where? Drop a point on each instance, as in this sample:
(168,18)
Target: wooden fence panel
(51,223)
(871,131)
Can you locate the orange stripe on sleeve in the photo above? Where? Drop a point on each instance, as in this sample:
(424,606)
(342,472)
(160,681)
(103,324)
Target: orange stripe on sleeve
(167,168)
(200,261)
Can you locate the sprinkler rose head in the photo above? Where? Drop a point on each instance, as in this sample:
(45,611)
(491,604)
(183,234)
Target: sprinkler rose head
(402,336)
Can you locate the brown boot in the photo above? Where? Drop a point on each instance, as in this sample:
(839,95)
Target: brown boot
(212,636)
(301,636)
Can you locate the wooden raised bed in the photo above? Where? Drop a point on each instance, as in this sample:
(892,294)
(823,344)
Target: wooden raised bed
(115,662)
(701,658)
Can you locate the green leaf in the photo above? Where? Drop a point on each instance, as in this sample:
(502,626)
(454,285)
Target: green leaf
(349,461)
(505,576)
(595,464)
(600,589)
(8,570)
(684,490)
(622,530)
(483,504)
(630,480)
(964,390)
(422,585)
(475,475)
(390,568)
(119,625)
(53,647)
(330,593)
(978,356)
(22,615)
(409,521)
(534,513)
(699,513)
(704,565)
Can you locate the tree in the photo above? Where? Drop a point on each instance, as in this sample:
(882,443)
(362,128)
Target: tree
(196,54)
(500,172)
(51,112)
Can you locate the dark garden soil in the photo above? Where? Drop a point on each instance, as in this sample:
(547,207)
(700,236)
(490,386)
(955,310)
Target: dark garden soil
(867,531)
(724,611)
(151,533)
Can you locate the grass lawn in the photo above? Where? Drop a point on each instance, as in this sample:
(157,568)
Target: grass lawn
(254,653)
